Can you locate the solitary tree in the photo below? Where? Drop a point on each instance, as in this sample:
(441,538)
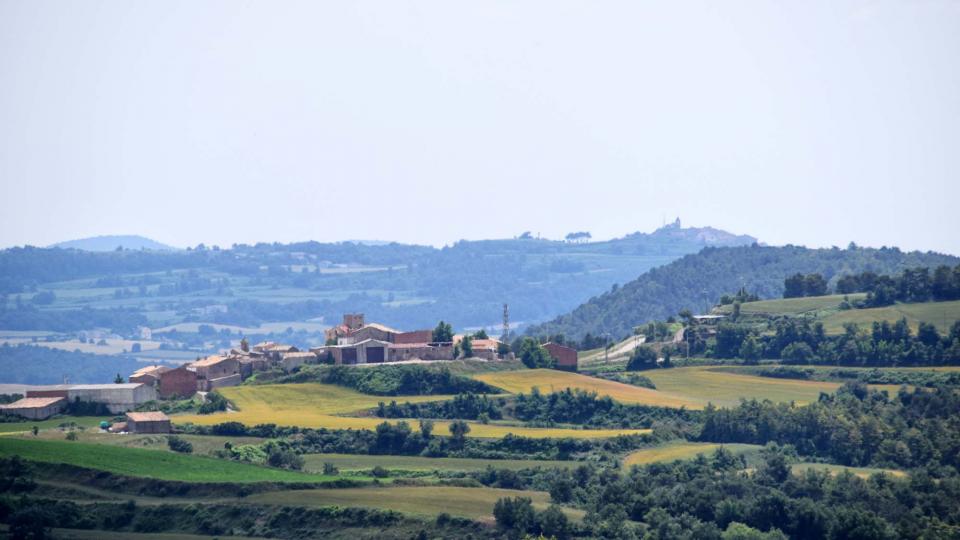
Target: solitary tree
(443,333)
(458,432)
(466,346)
(118,379)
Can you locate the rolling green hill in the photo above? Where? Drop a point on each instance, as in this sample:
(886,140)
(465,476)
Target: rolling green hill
(695,282)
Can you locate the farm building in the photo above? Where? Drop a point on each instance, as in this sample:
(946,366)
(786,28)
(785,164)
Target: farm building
(375,343)
(216,372)
(148,375)
(35,408)
(181,382)
(566,357)
(117,397)
(291,360)
(148,422)
(272,351)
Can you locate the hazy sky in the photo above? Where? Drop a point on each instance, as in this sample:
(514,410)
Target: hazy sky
(811,123)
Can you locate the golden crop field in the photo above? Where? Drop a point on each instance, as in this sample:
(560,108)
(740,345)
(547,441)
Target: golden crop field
(317,405)
(427,500)
(706,384)
(691,387)
(550,380)
(685,450)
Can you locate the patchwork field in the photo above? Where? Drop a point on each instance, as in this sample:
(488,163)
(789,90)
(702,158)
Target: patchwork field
(684,450)
(690,387)
(459,501)
(317,406)
(549,380)
(353,462)
(148,463)
(705,384)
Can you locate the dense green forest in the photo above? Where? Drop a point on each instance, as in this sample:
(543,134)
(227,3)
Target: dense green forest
(697,281)
(406,286)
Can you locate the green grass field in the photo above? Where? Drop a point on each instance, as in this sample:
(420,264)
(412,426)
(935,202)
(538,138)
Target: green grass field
(318,406)
(792,306)
(428,501)
(202,444)
(353,462)
(22,427)
(148,463)
(827,310)
(683,450)
(940,314)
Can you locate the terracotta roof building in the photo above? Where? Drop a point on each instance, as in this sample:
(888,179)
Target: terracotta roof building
(35,408)
(148,422)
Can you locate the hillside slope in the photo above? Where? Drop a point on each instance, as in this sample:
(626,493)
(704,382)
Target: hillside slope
(112,242)
(696,281)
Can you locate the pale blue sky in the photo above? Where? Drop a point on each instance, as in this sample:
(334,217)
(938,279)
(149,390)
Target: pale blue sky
(811,123)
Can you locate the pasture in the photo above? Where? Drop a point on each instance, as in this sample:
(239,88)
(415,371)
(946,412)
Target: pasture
(54,423)
(683,450)
(148,463)
(549,380)
(940,314)
(202,444)
(793,306)
(354,462)
(465,502)
(317,405)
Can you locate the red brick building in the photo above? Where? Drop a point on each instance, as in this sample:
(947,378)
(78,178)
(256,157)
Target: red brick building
(181,382)
(565,356)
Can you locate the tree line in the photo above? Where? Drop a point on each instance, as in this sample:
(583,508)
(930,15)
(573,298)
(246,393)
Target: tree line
(798,341)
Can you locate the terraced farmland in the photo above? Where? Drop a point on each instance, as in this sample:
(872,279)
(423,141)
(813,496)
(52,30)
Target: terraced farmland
(459,501)
(318,406)
(723,388)
(549,380)
(683,450)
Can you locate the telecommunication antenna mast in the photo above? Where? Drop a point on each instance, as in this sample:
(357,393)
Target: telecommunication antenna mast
(506,323)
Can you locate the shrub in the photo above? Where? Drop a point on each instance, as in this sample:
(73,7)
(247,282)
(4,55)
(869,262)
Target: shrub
(178,444)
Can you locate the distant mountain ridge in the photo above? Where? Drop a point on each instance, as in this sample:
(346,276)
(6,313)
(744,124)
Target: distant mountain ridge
(697,281)
(707,236)
(401,285)
(112,242)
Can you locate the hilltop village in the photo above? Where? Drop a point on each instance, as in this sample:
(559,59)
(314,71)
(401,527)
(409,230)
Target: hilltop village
(353,342)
